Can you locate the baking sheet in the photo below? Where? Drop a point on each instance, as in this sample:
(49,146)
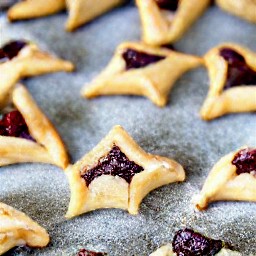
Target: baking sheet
(175,131)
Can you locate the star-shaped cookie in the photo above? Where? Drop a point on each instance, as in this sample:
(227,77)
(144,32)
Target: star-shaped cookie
(29,9)
(138,69)
(188,242)
(26,135)
(17,229)
(19,59)
(165,21)
(83,11)
(245,9)
(232,72)
(117,173)
(233,177)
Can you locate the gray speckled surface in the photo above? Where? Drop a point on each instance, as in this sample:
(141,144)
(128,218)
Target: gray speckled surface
(176,131)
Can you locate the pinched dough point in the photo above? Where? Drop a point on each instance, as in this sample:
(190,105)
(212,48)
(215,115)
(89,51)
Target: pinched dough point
(28,61)
(83,11)
(17,229)
(225,183)
(161,26)
(47,147)
(35,8)
(138,69)
(245,9)
(227,94)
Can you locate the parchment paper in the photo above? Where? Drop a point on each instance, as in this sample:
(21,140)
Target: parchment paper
(176,131)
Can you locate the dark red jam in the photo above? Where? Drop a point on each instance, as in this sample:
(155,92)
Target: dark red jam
(84,252)
(171,5)
(14,125)
(245,161)
(239,73)
(115,163)
(186,242)
(136,59)
(11,50)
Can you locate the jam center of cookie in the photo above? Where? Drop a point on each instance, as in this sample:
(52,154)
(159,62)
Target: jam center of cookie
(11,50)
(245,161)
(84,252)
(190,243)
(115,163)
(14,125)
(171,5)
(136,59)
(239,73)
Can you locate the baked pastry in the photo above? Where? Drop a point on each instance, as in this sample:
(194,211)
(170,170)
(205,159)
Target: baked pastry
(83,11)
(26,135)
(80,11)
(34,8)
(165,21)
(19,59)
(245,9)
(232,72)
(18,229)
(233,177)
(137,69)
(117,173)
(187,242)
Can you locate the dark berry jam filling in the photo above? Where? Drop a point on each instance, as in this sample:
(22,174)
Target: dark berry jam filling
(115,163)
(245,161)
(186,242)
(84,252)
(239,73)
(11,50)
(136,59)
(171,5)
(14,125)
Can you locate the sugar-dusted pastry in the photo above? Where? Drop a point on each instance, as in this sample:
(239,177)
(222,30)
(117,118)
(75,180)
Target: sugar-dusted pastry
(138,69)
(232,72)
(245,9)
(85,252)
(187,242)
(165,21)
(233,177)
(26,135)
(34,8)
(19,59)
(17,229)
(117,173)
(83,11)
